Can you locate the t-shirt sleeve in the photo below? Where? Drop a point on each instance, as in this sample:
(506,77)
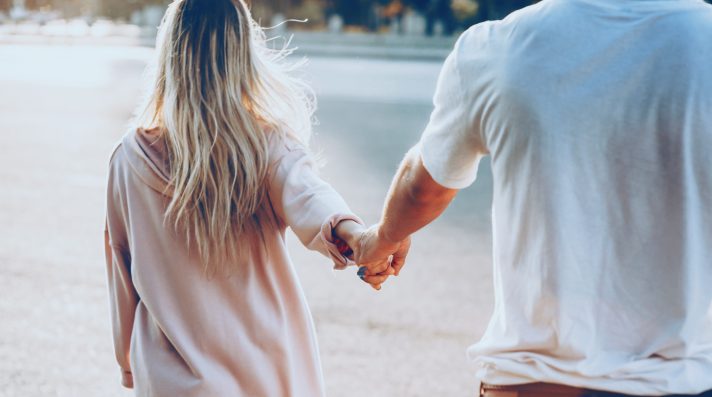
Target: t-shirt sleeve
(452,146)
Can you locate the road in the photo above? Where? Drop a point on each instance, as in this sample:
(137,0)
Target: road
(63,108)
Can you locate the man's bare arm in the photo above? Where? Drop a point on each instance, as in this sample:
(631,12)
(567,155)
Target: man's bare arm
(414,200)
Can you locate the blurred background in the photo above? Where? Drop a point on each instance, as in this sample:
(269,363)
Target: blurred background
(431,17)
(382,28)
(70,77)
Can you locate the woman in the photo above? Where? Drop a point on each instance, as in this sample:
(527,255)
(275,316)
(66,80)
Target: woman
(205,301)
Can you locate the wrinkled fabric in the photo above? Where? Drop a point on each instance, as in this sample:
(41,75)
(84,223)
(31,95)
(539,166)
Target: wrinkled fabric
(597,116)
(180,333)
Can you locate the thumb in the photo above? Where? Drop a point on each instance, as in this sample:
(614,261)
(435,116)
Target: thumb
(400,255)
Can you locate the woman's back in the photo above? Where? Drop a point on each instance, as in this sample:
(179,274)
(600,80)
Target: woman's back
(179,331)
(205,301)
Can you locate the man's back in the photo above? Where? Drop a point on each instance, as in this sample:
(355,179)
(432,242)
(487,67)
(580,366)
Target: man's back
(598,118)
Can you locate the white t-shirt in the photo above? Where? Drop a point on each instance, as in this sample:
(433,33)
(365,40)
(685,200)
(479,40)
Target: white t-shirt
(597,115)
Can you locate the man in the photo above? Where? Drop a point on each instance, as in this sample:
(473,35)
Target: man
(597,115)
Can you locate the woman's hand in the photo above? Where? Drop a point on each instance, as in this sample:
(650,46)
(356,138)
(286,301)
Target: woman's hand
(347,234)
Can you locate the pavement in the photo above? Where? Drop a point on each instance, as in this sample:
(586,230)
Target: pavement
(64,105)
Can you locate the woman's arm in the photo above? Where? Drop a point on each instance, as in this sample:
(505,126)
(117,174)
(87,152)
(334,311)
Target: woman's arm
(123,301)
(122,294)
(314,211)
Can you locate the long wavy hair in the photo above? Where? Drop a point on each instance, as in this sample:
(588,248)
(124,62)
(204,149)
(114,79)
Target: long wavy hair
(217,90)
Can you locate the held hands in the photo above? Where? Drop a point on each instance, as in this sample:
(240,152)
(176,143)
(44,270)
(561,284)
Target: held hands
(378,258)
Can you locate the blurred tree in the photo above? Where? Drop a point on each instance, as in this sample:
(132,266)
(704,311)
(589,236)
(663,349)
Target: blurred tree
(5,5)
(68,8)
(124,9)
(438,11)
(281,6)
(498,9)
(310,10)
(354,12)
(37,4)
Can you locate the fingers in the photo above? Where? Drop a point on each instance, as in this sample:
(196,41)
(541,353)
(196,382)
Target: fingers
(364,271)
(379,259)
(375,280)
(399,256)
(378,268)
(398,264)
(373,251)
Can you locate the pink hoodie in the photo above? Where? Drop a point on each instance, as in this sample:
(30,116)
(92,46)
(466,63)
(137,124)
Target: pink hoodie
(178,333)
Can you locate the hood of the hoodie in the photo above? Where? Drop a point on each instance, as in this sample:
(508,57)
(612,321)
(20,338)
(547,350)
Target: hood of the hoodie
(147,154)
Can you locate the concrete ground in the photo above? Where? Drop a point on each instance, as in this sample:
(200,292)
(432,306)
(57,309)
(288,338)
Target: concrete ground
(62,109)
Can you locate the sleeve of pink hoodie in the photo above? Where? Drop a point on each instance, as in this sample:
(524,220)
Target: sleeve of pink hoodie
(307,204)
(123,297)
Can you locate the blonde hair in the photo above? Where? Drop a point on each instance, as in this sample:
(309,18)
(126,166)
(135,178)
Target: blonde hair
(218,90)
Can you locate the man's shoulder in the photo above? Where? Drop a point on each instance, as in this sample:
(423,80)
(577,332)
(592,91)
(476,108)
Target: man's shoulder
(699,17)
(488,37)
(686,30)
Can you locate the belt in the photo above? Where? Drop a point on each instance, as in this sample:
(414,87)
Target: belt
(532,390)
(549,390)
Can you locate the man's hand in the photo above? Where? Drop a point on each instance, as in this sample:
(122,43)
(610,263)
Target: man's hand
(414,200)
(379,256)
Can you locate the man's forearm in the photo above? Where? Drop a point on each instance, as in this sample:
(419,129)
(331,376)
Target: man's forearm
(414,200)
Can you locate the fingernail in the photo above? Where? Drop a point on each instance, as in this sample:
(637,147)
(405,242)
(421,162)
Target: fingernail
(362,271)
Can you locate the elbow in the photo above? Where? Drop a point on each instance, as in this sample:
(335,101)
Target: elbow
(420,196)
(421,189)
(414,192)
(420,193)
